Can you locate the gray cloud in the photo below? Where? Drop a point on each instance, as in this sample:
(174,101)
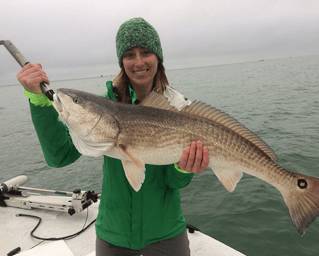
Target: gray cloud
(70,35)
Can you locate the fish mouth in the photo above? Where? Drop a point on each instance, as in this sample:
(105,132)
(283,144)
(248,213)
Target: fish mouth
(57,103)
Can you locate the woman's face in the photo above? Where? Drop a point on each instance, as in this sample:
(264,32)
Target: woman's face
(140,66)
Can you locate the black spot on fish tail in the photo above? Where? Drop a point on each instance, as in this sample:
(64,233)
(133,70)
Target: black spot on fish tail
(302,183)
(302,201)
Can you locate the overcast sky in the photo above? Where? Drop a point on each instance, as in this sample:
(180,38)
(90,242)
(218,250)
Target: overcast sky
(78,37)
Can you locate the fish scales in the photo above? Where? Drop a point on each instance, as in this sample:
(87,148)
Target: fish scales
(138,129)
(154,132)
(146,128)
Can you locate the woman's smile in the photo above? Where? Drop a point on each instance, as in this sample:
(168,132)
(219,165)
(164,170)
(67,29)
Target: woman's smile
(140,72)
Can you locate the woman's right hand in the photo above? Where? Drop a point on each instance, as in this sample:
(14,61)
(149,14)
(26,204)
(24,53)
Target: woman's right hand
(31,76)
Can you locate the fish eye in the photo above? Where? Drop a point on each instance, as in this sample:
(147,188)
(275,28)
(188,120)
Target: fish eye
(75,100)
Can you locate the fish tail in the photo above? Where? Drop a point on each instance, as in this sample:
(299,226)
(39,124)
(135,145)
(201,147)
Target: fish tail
(302,201)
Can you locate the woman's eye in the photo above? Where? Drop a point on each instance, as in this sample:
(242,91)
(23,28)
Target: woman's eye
(128,55)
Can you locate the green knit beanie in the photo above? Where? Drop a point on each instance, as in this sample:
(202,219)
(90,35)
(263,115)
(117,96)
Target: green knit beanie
(137,33)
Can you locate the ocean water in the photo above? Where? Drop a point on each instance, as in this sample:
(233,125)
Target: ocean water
(276,99)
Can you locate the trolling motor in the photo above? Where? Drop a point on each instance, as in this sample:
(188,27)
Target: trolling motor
(71,202)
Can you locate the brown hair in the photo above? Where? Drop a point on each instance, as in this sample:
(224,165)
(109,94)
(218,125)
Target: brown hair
(122,81)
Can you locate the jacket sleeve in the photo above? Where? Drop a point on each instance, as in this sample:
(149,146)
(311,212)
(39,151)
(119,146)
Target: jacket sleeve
(54,137)
(176,179)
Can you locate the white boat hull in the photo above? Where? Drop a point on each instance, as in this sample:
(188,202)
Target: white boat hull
(15,232)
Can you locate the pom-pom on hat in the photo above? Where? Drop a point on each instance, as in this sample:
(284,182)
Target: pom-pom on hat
(137,32)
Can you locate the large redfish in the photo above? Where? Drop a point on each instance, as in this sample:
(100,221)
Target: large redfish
(156,133)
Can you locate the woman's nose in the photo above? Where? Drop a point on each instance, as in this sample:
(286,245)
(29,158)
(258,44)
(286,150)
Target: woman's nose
(139,61)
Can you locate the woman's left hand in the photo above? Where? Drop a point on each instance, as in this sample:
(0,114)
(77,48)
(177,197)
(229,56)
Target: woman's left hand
(195,158)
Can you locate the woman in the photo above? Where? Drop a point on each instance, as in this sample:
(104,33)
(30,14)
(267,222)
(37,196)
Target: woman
(147,222)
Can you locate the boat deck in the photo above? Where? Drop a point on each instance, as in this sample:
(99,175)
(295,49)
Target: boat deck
(15,232)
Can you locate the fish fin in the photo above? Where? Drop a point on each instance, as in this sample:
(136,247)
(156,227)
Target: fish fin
(203,110)
(156,100)
(134,169)
(139,163)
(134,174)
(229,178)
(302,201)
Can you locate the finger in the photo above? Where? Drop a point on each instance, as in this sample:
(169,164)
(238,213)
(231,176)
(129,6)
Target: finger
(34,78)
(28,66)
(29,69)
(45,77)
(26,77)
(182,163)
(30,74)
(205,160)
(191,157)
(23,70)
(31,66)
(198,157)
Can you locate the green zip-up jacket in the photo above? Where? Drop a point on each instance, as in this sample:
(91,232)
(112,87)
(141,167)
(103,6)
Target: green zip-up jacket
(126,218)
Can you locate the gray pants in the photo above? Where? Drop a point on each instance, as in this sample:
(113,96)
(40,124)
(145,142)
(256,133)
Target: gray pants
(176,246)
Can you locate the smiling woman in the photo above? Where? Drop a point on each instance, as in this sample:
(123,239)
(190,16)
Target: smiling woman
(131,221)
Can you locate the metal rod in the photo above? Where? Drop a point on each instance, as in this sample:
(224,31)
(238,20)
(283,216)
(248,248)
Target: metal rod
(47,191)
(15,53)
(66,193)
(46,89)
